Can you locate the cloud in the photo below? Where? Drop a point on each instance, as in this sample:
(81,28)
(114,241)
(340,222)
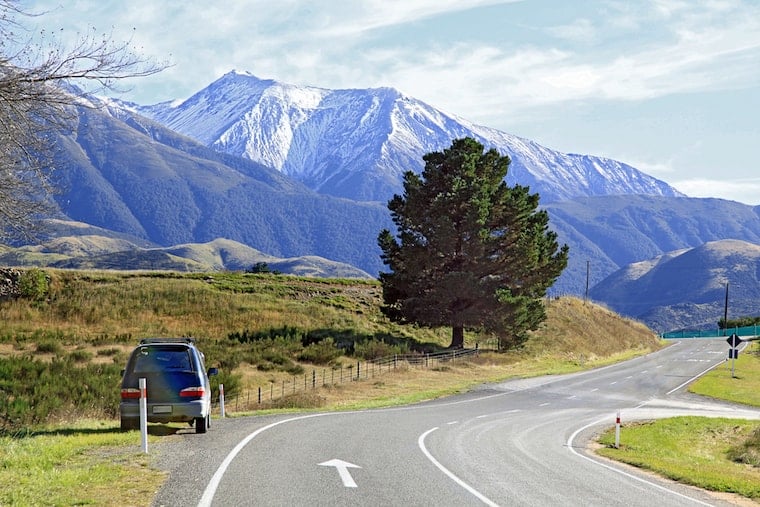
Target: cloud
(746,191)
(657,49)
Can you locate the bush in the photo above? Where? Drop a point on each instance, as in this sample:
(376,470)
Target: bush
(49,347)
(80,356)
(44,391)
(323,352)
(34,284)
(375,349)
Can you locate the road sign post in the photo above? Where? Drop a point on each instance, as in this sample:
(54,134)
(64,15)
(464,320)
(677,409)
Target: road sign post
(733,341)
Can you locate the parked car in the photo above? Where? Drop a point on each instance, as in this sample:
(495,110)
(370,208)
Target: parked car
(177,384)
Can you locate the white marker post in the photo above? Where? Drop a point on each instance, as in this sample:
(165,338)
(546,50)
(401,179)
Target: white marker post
(221,400)
(617,431)
(144,414)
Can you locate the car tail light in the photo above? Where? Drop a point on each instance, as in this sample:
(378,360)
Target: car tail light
(130,393)
(192,392)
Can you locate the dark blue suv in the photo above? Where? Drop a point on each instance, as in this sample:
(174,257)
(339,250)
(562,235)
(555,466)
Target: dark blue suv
(177,384)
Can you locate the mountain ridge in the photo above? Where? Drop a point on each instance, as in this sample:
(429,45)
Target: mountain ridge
(357,143)
(131,178)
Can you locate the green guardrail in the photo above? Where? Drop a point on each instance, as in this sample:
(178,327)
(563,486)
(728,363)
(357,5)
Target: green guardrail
(712,333)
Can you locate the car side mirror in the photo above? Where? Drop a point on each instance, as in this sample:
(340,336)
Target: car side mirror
(213,371)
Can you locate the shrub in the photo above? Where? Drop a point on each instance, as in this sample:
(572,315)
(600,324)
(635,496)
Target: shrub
(80,356)
(48,347)
(375,349)
(34,284)
(323,352)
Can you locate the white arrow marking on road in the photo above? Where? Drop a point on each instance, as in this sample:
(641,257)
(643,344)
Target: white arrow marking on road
(342,467)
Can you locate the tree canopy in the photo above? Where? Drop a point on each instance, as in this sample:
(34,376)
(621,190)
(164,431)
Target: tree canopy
(470,252)
(36,100)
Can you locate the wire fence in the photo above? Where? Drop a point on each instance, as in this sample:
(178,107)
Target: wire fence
(712,333)
(275,393)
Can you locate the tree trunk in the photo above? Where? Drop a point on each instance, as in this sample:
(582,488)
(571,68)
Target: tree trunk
(457,337)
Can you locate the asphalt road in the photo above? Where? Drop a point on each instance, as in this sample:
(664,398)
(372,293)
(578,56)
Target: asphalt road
(520,442)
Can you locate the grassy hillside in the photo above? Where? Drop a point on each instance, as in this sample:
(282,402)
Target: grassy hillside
(259,329)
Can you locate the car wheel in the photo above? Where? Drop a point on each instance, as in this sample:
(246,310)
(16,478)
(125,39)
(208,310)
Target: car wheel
(201,424)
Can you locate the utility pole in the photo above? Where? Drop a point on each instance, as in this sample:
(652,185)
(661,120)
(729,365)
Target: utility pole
(725,312)
(588,268)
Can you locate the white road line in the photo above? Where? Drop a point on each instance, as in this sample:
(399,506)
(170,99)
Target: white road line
(452,423)
(569,444)
(692,379)
(470,489)
(210,491)
(594,390)
(543,404)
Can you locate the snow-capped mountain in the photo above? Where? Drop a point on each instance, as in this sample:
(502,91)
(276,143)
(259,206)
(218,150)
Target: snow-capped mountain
(359,143)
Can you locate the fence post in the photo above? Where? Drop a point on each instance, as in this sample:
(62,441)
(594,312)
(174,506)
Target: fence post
(313,379)
(221,400)
(259,395)
(358,370)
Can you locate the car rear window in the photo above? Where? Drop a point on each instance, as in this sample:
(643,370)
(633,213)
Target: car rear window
(162,359)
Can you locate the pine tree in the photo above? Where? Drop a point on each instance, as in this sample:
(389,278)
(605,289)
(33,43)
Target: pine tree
(470,252)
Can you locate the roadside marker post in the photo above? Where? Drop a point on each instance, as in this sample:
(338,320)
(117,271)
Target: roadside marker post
(617,431)
(144,414)
(221,400)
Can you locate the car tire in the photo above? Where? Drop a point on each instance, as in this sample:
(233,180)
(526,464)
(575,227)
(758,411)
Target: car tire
(201,424)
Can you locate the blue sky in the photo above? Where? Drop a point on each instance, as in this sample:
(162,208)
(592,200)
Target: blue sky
(671,87)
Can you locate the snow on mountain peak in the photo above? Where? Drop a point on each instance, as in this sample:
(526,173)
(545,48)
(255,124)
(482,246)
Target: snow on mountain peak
(358,143)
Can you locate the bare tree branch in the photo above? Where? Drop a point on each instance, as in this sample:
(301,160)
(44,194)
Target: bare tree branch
(37,99)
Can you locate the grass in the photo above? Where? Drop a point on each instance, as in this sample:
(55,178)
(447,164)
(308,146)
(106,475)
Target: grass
(90,320)
(691,450)
(87,463)
(717,454)
(743,387)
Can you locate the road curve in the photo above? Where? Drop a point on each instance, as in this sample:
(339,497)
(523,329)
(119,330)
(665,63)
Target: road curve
(520,442)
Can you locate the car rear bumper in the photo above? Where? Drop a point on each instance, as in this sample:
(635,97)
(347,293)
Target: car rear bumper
(167,412)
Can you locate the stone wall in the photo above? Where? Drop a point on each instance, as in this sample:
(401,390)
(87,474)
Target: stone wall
(9,283)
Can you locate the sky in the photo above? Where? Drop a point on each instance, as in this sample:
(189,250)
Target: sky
(671,87)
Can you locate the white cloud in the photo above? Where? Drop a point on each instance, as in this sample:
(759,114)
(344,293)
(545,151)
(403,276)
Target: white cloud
(745,191)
